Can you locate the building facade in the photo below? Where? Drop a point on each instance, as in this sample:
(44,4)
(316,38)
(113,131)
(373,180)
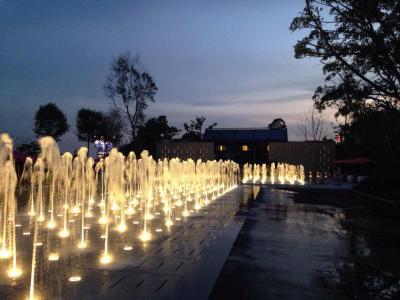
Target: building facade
(244,145)
(185,150)
(317,157)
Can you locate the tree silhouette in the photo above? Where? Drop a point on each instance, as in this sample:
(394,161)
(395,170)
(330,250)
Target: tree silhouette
(50,121)
(130,88)
(88,125)
(358,44)
(194,128)
(153,131)
(112,127)
(277,124)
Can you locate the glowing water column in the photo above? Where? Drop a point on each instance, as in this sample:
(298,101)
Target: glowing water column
(8,205)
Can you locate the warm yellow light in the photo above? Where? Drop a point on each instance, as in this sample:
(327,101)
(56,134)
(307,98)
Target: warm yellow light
(130,211)
(121,227)
(245,148)
(75,278)
(145,236)
(103,220)
(51,224)
(14,272)
(105,259)
(53,257)
(128,248)
(82,245)
(4,253)
(76,210)
(63,233)
(149,216)
(114,206)
(169,223)
(185,213)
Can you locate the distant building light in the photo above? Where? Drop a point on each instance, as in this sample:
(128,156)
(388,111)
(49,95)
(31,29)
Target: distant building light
(221,148)
(245,148)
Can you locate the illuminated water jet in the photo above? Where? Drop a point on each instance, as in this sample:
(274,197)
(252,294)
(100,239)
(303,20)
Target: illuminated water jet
(68,193)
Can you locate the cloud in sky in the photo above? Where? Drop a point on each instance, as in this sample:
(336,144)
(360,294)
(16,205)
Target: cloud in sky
(231,61)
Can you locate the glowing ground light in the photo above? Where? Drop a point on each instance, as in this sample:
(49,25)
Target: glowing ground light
(38,244)
(145,236)
(53,257)
(51,225)
(158,230)
(128,248)
(75,278)
(121,227)
(135,222)
(63,233)
(82,245)
(105,259)
(185,213)
(26,233)
(18,225)
(4,253)
(14,273)
(103,220)
(169,223)
(177,219)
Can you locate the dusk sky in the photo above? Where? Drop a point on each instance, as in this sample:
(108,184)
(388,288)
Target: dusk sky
(231,61)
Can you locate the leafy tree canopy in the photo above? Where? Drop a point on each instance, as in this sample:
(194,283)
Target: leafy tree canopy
(277,124)
(88,124)
(358,43)
(153,131)
(92,125)
(194,128)
(51,121)
(157,129)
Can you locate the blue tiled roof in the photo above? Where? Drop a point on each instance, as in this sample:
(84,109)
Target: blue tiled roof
(246,134)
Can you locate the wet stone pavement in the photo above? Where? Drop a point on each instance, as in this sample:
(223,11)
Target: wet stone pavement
(181,264)
(313,245)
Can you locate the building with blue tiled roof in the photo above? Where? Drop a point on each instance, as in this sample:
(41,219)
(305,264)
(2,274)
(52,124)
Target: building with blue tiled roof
(244,144)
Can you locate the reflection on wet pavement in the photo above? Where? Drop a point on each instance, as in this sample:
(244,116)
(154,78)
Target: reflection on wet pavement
(182,263)
(290,249)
